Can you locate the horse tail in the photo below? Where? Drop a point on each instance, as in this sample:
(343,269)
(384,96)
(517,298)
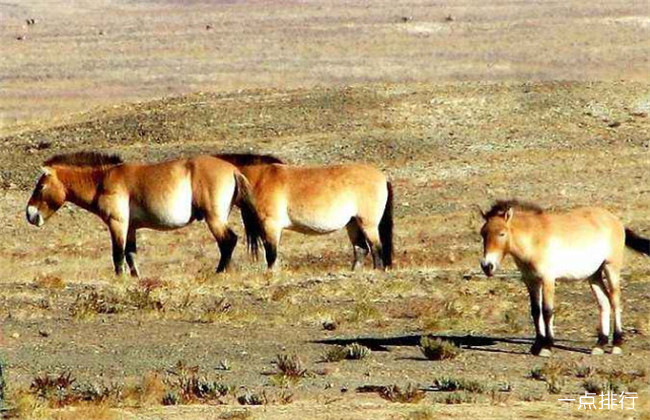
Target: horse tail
(386,229)
(636,242)
(252,221)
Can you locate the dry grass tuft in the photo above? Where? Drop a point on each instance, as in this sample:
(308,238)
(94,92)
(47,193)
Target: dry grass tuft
(26,405)
(290,366)
(48,281)
(552,368)
(252,398)
(185,385)
(56,390)
(86,411)
(215,310)
(393,393)
(458,398)
(447,383)
(153,389)
(144,295)
(88,304)
(236,415)
(437,349)
(584,371)
(335,354)
(422,414)
(356,351)
(553,373)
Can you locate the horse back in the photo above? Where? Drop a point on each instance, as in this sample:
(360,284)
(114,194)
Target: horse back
(173,193)
(575,243)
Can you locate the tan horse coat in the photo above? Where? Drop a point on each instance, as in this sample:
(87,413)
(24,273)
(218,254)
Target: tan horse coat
(585,243)
(322,199)
(130,196)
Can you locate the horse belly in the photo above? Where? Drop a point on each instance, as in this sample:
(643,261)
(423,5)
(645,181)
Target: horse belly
(316,222)
(570,263)
(171,211)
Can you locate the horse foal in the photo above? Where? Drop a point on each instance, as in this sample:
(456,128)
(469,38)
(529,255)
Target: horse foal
(582,243)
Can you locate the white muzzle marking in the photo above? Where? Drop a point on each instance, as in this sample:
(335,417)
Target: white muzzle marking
(489,263)
(34,216)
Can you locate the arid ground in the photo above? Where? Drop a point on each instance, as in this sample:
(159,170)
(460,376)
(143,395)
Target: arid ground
(460,103)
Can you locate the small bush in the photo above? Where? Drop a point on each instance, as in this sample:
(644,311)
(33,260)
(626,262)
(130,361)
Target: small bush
(410,394)
(437,349)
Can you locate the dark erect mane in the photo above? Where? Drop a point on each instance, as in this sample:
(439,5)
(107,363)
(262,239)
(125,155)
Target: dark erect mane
(247,159)
(85,159)
(500,207)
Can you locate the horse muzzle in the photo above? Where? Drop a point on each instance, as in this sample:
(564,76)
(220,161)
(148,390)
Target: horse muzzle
(34,216)
(488,268)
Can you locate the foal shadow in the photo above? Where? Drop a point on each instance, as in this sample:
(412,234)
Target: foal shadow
(469,342)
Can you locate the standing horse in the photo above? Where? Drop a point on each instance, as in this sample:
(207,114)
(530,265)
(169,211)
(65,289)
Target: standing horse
(130,196)
(577,244)
(321,199)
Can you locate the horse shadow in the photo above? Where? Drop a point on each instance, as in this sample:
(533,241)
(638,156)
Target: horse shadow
(468,342)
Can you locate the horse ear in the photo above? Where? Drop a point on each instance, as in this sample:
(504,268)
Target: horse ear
(509,213)
(480,211)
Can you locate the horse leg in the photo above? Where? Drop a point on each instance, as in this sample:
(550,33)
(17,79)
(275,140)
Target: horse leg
(271,242)
(548,303)
(131,250)
(535,293)
(614,288)
(374,243)
(600,291)
(118,231)
(226,241)
(359,244)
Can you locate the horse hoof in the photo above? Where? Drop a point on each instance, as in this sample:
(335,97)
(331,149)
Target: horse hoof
(597,351)
(545,353)
(617,350)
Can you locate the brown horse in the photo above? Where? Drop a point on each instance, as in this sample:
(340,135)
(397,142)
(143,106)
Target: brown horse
(161,196)
(577,244)
(321,199)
